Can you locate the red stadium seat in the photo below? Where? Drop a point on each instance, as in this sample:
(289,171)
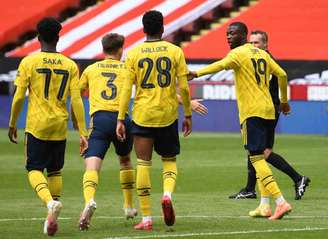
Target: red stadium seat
(296,31)
(21,16)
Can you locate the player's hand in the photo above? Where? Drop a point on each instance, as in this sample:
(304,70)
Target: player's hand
(120,130)
(83,144)
(187,126)
(285,108)
(12,134)
(191,75)
(198,107)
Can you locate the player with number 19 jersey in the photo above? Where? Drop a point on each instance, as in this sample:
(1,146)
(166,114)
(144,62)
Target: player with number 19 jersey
(252,80)
(105,80)
(155,67)
(49,77)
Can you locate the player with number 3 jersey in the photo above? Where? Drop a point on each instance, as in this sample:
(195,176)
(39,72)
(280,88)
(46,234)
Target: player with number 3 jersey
(105,80)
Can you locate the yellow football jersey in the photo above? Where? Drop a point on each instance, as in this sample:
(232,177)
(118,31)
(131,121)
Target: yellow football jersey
(155,67)
(252,67)
(105,81)
(49,78)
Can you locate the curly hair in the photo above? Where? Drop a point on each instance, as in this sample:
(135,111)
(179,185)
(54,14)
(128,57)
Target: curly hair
(241,26)
(152,22)
(48,29)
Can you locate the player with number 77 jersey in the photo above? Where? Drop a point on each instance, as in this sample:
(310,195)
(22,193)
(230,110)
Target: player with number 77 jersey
(50,78)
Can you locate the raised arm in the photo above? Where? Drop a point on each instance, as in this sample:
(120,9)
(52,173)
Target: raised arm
(229,62)
(196,106)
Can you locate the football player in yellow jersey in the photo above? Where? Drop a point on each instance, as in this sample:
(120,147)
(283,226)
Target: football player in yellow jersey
(49,77)
(260,39)
(105,80)
(253,67)
(155,67)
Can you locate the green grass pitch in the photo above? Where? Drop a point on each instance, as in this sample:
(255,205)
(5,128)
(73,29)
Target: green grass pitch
(211,167)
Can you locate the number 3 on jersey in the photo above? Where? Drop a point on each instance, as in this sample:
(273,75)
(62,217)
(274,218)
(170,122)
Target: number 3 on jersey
(163,72)
(111,77)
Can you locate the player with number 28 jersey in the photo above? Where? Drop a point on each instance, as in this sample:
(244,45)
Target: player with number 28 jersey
(154,67)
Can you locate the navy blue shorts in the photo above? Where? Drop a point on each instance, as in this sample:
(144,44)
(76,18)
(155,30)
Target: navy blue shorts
(44,154)
(166,139)
(103,125)
(258,133)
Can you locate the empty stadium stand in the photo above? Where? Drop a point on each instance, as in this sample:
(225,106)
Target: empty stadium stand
(19,18)
(296,30)
(80,37)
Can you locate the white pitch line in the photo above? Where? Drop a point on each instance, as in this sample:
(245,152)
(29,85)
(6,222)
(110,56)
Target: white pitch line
(182,216)
(222,233)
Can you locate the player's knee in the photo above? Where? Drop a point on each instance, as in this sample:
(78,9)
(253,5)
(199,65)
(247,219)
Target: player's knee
(93,163)
(125,162)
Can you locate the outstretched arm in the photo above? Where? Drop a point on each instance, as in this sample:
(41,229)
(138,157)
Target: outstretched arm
(231,61)
(196,106)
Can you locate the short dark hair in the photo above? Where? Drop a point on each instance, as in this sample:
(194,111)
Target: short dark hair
(241,26)
(48,29)
(264,35)
(112,42)
(152,22)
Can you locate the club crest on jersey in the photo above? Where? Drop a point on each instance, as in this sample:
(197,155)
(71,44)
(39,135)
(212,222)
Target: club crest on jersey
(52,61)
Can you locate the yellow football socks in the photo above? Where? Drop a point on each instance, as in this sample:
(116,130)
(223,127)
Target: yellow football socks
(169,174)
(127,180)
(144,186)
(265,175)
(90,183)
(264,193)
(55,183)
(40,185)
